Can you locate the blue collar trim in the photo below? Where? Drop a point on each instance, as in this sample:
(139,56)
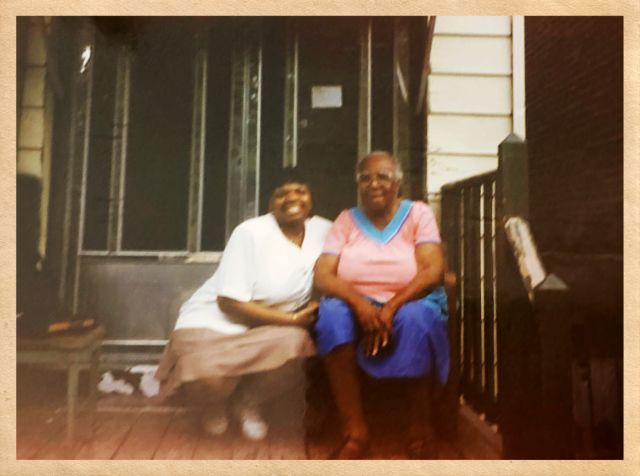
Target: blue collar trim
(390,231)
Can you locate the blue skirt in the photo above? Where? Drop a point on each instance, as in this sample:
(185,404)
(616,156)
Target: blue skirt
(419,343)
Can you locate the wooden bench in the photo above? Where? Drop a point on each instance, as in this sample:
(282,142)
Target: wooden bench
(73,353)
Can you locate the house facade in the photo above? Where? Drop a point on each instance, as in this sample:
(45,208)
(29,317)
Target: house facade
(142,142)
(151,138)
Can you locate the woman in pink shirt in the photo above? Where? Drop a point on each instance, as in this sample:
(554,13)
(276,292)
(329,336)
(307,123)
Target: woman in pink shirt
(384,310)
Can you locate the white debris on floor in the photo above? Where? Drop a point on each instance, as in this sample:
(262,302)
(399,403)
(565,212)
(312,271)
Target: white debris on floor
(141,377)
(108,384)
(149,385)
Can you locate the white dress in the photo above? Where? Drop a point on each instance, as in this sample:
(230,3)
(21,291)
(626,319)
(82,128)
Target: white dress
(259,264)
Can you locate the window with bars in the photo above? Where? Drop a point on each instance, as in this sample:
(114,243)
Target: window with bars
(173,155)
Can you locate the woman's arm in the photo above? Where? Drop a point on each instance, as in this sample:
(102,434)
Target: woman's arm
(326,281)
(267,315)
(430,273)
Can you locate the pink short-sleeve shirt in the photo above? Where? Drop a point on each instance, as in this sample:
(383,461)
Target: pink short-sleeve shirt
(378,263)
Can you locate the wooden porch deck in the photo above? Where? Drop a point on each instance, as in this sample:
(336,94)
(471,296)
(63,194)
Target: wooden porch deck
(134,428)
(124,431)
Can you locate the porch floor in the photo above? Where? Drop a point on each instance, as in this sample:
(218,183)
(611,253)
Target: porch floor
(135,428)
(126,431)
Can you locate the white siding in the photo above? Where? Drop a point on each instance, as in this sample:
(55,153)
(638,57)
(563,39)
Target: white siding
(467,135)
(473,25)
(37,43)
(470,97)
(35,114)
(33,90)
(31,130)
(471,55)
(447,169)
(29,162)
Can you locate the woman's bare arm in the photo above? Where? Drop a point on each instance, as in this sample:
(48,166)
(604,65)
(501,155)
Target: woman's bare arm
(267,315)
(430,274)
(327,282)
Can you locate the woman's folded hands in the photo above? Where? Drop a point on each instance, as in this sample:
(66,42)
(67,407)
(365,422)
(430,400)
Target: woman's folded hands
(376,324)
(368,316)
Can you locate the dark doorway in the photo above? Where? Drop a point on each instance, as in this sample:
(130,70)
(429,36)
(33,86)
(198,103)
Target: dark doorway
(328,136)
(327,130)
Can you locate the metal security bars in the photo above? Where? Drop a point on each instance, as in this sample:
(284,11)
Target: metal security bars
(290,145)
(198,128)
(401,100)
(119,148)
(364,89)
(244,129)
(242,172)
(121,211)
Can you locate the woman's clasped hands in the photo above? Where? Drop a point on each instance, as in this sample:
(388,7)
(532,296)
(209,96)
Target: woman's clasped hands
(376,323)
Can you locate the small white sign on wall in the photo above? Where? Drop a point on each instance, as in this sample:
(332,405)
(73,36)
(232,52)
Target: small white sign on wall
(326,97)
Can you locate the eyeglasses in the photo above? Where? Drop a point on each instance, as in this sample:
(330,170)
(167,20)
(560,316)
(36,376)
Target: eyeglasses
(384,178)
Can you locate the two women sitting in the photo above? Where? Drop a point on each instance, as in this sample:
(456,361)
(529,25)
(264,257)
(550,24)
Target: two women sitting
(379,268)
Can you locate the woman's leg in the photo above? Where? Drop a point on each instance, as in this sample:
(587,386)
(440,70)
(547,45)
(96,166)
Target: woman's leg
(259,388)
(421,443)
(255,390)
(210,391)
(335,337)
(342,371)
(423,336)
(210,395)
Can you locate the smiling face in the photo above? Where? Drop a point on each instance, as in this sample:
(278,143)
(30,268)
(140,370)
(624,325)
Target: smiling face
(378,185)
(290,203)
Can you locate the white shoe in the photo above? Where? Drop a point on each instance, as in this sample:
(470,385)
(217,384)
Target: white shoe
(215,425)
(252,424)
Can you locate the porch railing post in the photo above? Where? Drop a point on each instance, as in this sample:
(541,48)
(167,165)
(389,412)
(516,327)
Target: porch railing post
(534,333)
(552,313)
(513,316)
(513,173)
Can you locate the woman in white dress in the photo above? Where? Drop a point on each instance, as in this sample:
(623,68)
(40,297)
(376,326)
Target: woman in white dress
(241,336)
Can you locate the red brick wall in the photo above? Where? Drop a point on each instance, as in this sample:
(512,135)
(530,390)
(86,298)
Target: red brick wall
(574,129)
(574,101)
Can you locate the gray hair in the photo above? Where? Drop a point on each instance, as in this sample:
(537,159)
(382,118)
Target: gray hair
(397,166)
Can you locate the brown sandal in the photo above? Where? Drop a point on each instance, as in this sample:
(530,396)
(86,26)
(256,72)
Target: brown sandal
(351,448)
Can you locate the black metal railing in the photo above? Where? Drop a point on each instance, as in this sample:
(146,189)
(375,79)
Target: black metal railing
(510,342)
(469,230)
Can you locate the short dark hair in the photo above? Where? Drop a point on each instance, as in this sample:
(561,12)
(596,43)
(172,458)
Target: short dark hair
(287,176)
(275,177)
(292,175)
